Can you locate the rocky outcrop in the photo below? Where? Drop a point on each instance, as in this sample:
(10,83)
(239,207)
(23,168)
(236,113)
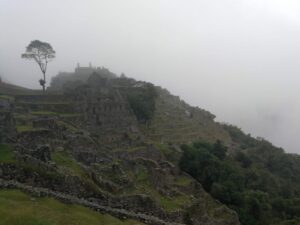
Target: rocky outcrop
(42,153)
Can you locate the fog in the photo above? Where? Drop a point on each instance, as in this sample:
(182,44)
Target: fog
(238,59)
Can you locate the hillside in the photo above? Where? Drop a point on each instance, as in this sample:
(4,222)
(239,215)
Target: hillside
(10,89)
(114,145)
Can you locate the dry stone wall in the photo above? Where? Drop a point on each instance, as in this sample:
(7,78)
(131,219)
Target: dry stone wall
(7,130)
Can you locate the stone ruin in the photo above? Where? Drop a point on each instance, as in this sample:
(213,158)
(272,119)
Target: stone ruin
(80,74)
(106,112)
(6,119)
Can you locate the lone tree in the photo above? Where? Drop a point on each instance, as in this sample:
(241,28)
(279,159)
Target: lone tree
(42,53)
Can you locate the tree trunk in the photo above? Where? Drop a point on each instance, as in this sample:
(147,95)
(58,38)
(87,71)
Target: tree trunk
(44,84)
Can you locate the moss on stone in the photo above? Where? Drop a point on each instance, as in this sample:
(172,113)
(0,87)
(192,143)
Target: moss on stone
(183,181)
(174,203)
(66,126)
(28,128)
(43,113)
(6,154)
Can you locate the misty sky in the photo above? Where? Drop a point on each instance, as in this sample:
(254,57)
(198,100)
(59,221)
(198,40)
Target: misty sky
(238,59)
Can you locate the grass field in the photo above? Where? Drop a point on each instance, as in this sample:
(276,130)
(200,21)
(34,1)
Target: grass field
(17,208)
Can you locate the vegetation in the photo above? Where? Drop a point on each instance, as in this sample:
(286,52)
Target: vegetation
(6,97)
(50,113)
(142,102)
(238,136)
(262,184)
(42,53)
(17,208)
(28,128)
(174,203)
(183,181)
(65,160)
(6,154)
(43,113)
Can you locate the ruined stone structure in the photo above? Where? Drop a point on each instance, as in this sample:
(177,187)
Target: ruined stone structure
(106,112)
(6,118)
(85,145)
(81,74)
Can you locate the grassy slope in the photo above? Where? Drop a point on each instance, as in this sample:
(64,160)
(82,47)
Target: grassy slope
(9,89)
(171,123)
(17,208)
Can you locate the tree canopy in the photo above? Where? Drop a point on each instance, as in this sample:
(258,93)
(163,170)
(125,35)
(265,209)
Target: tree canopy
(261,183)
(42,53)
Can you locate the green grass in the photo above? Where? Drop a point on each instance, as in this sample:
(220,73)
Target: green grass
(163,148)
(50,113)
(69,115)
(6,154)
(27,128)
(64,159)
(174,203)
(142,175)
(167,203)
(67,126)
(17,208)
(183,181)
(43,103)
(23,116)
(66,162)
(24,128)
(6,97)
(43,113)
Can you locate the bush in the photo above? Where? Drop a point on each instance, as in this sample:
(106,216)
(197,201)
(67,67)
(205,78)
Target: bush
(250,182)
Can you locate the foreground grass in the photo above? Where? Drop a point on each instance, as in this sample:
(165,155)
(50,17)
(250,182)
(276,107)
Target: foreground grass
(17,208)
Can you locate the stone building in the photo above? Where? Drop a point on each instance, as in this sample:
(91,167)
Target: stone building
(81,74)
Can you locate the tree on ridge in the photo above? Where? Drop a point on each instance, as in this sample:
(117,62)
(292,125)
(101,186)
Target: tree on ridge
(42,53)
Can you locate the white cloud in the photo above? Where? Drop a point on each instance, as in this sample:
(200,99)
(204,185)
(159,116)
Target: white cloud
(287,10)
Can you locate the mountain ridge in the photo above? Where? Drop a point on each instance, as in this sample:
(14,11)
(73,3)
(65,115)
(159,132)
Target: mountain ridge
(118,141)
